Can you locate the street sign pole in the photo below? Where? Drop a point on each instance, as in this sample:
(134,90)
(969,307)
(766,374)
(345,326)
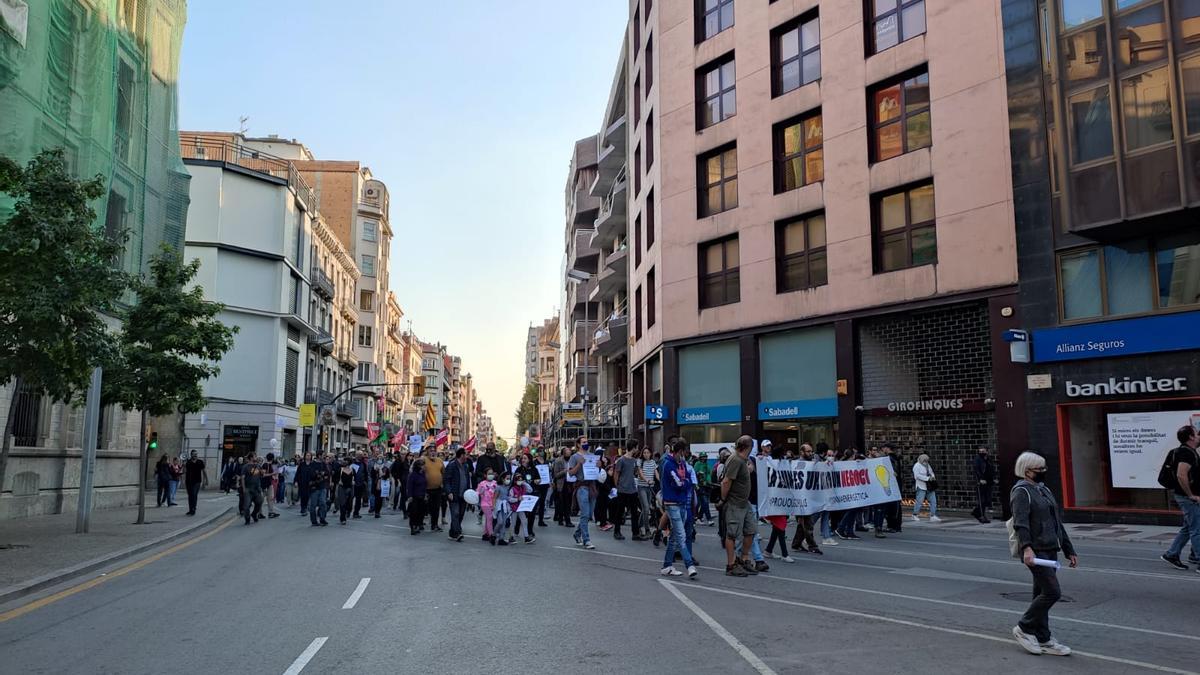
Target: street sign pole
(87,467)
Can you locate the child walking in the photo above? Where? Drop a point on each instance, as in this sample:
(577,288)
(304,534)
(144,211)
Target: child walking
(502,511)
(487,502)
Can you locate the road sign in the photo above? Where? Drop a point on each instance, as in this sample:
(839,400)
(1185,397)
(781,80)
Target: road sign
(308,414)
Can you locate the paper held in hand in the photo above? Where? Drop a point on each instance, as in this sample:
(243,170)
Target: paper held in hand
(591,471)
(544,473)
(527,503)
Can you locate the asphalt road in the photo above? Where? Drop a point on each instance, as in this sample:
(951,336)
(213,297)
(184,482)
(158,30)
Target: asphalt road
(282,595)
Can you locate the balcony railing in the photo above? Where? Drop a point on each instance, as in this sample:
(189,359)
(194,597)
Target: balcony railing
(348,408)
(322,284)
(317,395)
(198,147)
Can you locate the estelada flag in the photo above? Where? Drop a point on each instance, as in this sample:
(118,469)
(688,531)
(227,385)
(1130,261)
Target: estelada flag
(470,445)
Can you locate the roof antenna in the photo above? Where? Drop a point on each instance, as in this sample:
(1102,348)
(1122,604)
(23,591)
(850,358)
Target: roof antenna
(242,128)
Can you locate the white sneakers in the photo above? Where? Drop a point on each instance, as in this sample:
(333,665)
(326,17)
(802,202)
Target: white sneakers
(671,572)
(788,559)
(692,571)
(916,519)
(768,554)
(934,519)
(1030,644)
(829,542)
(1055,648)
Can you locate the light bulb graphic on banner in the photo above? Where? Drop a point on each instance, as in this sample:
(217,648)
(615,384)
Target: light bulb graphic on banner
(885,479)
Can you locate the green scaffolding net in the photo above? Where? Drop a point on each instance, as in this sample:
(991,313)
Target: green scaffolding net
(98,78)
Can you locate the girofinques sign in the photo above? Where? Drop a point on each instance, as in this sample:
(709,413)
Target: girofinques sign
(709,415)
(933,405)
(782,410)
(1165,333)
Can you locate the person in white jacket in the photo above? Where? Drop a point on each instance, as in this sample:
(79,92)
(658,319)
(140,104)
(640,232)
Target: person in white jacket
(923,475)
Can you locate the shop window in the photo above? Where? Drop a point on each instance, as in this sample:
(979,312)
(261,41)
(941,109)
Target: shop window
(893,22)
(795,54)
(904,227)
(900,120)
(716,92)
(800,254)
(711,433)
(720,281)
(799,156)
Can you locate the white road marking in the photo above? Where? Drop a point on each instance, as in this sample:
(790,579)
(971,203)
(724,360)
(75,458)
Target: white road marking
(717,628)
(951,603)
(353,600)
(954,576)
(398,527)
(916,624)
(305,656)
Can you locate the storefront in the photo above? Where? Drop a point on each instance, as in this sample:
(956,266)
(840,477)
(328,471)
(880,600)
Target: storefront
(798,388)
(710,408)
(1106,401)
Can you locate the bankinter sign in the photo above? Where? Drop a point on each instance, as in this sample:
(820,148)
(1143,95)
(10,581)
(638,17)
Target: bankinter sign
(1125,385)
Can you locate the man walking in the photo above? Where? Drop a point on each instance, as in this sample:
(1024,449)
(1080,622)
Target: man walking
(625,470)
(316,474)
(585,495)
(677,489)
(252,490)
(735,496)
(985,474)
(1185,462)
(267,480)
(457,480)
(562,488)
(433,488)
(194,478)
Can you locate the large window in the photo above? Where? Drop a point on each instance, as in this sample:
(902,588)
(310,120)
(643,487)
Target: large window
(900,116)
(893,22)
(720,282)
(716,94)
(795,54)
(799,157)
(718,181)
(364,336)
(649,218)
(366,301)
(370,230)
(1132,277)
(650,299)
(368,265)
(800,254)
(712,17)
(903,224)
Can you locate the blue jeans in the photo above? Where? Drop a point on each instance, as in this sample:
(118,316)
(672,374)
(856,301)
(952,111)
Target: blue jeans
(704,510)
(921,496)
(584,498)
(826,530)
(317,506)
(678,540)
(1190,529)
(174,485)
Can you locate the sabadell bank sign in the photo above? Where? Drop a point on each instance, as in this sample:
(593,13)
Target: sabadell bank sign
(1126,385)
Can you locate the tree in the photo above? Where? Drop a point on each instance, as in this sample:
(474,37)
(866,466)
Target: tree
(58,273)
(527,412)
(501,446)
(170,342)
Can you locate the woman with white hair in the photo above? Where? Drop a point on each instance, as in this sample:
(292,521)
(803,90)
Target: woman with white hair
(926,489)
(1040,536)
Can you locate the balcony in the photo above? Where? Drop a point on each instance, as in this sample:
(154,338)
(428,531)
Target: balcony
(582,254)
(346,358)
(205,148)
(348,408)
(582,333)
(321,283)
(613,154)
(577,296)
(585,207)
(323,341)
(612,337)
(613,278)
(317,395)
(612,223)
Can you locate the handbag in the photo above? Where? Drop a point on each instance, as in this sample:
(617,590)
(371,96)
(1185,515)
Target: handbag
(931,485)
(1014,542)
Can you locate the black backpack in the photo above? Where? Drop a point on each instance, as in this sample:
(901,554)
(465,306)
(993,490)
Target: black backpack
(1166,473)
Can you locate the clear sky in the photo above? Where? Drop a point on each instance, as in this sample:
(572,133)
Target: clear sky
(467,109)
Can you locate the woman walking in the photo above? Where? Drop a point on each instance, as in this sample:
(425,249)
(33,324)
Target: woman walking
(176,470)
(1040,536)
(345,490)
(417,490)
(647,469)
(926,489)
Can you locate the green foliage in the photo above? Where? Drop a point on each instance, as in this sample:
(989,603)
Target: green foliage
(501,446)
(170,342)
(527,412)
(57,273)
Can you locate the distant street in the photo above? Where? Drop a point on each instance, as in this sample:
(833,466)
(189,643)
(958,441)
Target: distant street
(280,595)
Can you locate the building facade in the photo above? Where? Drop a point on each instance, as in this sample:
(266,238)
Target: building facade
(1101,100)
(98,79)
(579,316)
(548,355)
(812,282)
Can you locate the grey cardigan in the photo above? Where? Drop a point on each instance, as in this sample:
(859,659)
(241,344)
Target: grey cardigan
(1037,520)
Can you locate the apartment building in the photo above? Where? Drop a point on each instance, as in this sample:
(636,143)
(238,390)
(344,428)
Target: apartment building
(580,313)
(456,401)
(547,373)
(412,357)
(812,282)
(437,369)
(395,394)
(1101,102)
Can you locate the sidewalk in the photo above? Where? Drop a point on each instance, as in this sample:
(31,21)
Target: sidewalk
(1152,534)
(39,552)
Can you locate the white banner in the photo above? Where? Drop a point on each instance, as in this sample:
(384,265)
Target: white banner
(1138,443)
(799,488)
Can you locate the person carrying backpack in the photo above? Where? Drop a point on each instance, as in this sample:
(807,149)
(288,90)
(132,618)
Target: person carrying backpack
(1181,474)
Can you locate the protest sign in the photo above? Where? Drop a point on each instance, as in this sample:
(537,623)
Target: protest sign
(527,503)
(590,469)
(544,473)
(799,488)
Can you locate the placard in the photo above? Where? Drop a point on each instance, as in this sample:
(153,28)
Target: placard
(527,503)
(591,471)
(1138,443)
(801,488)
(543,473)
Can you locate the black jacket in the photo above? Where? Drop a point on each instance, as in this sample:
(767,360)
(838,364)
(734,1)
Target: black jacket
(983,468)
(1037,520)
(494,462)
(456,478)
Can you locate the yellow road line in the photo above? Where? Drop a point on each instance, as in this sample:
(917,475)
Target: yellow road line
(49,599)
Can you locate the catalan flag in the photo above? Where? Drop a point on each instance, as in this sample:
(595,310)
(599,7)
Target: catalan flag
(430,416)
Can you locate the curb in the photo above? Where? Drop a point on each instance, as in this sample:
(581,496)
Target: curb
(17,591)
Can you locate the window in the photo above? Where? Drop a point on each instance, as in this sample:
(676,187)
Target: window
(370,229)
(799,158)
(637,240)
(649,64)
(800,254)
(366,301)
(368,265)
(650,141)
(649,218)
(364,336)
(904,229)
(637,312)
(637,31)
(364,371)
(712,17)
(637,101)
(720,283)
(796,54)
(900,117)
(716,98)
(427,364)
(650,299)
(430,381)
(637,171)
(125,105)
(894,21)
(718,181)
(1178,262)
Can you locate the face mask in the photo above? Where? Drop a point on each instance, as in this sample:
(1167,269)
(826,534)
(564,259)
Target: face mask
(491,476)
(507,481)
(1039,476)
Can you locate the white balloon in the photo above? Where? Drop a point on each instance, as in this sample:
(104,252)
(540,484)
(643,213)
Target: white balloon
(471,497)
(603,475)
(274,443)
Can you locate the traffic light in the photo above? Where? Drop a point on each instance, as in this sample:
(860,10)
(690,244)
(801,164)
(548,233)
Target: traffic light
(418,388)
(153,444)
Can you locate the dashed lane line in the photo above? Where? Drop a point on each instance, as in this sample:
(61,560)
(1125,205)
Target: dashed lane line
(305,656)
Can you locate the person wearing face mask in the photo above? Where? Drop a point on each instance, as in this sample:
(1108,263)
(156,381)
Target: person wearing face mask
(456,480)
(289,482)
(502,511)
(926,481)
(487,503)
(1040,535)
(521,487)
(984,472)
